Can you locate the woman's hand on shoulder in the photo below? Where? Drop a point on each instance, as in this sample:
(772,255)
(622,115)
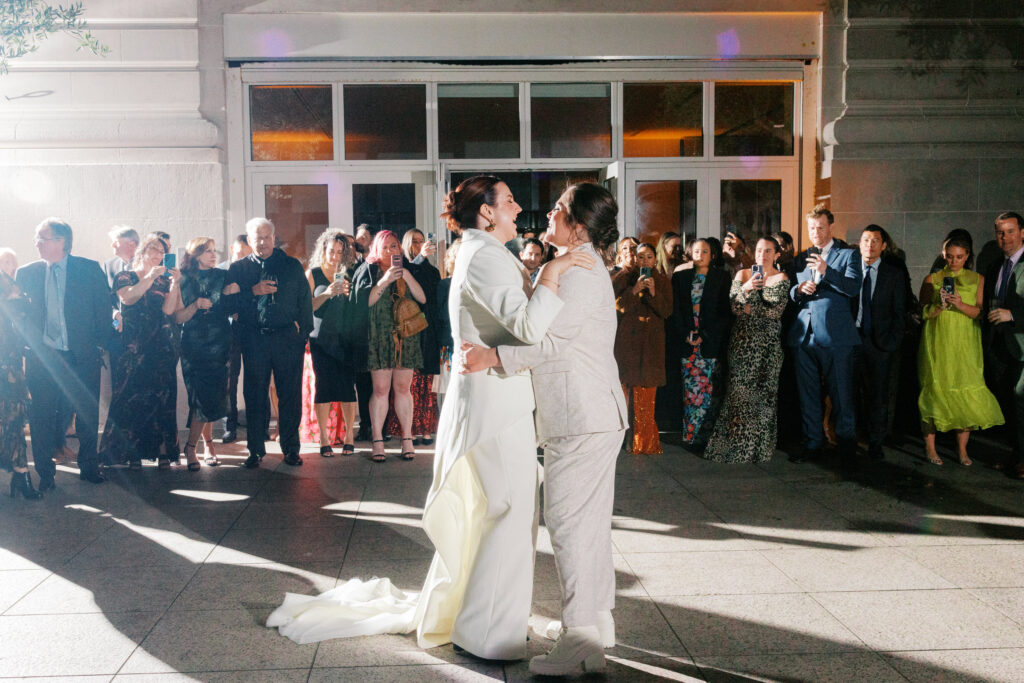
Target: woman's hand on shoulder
(560,264)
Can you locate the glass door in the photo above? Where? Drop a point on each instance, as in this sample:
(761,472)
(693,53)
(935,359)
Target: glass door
(660,200)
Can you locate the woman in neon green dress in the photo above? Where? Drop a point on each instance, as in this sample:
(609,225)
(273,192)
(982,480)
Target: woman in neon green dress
(949,361)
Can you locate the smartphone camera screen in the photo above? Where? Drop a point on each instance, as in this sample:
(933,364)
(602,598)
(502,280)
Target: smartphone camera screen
(170,260)
(396,261)
(645,271)
(757,269)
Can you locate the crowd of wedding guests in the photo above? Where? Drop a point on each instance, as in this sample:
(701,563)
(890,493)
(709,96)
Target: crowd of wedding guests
(720,340)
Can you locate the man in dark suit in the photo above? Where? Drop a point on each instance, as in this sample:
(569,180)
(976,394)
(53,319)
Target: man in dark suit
(1004,333)
(269,292)
(824,334)
(881,316)
(67,329)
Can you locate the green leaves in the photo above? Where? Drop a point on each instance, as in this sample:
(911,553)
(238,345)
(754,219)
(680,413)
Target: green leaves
(24,24)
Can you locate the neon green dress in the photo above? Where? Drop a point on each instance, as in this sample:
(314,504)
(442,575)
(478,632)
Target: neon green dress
(950,363)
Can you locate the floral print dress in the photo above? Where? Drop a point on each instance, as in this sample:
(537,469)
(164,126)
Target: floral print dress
(698,373)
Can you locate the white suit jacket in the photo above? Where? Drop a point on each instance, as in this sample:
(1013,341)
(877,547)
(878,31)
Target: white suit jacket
(575,377)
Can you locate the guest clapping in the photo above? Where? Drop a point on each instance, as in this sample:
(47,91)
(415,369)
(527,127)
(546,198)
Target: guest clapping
(205,345)
(745,429)
(643,298)
(142,421)
(378,285)
(953,392)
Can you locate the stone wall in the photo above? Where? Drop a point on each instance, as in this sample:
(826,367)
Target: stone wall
(925,132)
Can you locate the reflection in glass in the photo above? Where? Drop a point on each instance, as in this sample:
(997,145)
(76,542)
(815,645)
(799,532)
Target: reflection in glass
(535,191)
(751,208)
(299,215)
(291,122)
(662,119)
(666,206)
(385,122)
(385,206)
(570,120)
(478,121)
(753,119)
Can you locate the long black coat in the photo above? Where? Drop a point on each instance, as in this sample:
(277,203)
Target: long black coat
(715,313)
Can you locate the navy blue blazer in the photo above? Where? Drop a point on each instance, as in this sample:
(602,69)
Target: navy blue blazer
(86,306)
(827,312)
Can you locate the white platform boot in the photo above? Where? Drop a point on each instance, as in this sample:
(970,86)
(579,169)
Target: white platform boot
(605,626)
(578,649)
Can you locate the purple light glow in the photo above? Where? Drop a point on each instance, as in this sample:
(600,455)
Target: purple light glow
(728,43)
(275,43)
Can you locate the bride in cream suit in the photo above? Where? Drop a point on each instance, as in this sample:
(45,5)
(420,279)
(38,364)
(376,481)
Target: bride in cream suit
(480,512)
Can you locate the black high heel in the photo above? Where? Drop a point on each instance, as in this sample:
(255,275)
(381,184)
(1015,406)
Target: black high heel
(192,466)
(22,482)
(378,457)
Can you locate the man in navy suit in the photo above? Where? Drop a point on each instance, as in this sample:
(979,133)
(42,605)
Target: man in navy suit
(66,331)
(881,315)
(824,334)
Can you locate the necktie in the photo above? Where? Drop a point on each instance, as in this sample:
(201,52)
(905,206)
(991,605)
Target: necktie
(1004,279)
(54,307)
(865,302)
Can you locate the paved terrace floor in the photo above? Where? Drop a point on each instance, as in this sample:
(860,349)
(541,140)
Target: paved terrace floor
(905,571)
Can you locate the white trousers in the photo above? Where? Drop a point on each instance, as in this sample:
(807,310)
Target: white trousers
(579,490)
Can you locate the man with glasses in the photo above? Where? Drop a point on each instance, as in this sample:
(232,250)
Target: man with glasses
(66,331)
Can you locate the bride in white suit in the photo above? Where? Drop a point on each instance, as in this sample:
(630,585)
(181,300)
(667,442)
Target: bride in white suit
(481,510)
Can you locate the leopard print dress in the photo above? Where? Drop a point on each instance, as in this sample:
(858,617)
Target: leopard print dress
(745,429)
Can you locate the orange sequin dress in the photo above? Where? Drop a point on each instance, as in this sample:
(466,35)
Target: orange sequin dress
(646,440)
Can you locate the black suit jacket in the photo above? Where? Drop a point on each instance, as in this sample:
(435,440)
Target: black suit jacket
(888,306)
(1008,337)
(86,307)
(715,313)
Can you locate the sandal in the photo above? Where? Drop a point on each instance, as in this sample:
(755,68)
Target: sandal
(326,452)
(211,455)
(409,455)
(965,461)
(193,464)
(934,458)
(378,457)
(348,449)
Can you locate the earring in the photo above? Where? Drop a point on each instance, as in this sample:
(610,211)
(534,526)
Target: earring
(490,227)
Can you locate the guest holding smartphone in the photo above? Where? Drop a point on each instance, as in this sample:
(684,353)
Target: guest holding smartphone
(643,298)
(701,313)
(950,363)
(745,430)
(378,284)
(142,420)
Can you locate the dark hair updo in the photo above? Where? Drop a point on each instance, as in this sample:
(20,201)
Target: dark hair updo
(462,205)
(593,207)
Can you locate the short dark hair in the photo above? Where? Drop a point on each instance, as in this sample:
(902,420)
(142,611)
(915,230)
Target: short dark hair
(242,239)
(1007,215)
(533,240)
(60,228)
(821,210)
(880,231)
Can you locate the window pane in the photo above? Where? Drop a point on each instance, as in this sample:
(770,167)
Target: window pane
(291,122)
(751,208)
(753,119)
(662,119)
(570,120)
(385,122)
(385,206)
(666,206)
(535,191)
(299,215)
(478,121)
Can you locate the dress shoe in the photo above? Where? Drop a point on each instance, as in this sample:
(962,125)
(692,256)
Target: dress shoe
(21,482)
(229,436)
(253,461)
(363,434)
(806,455)
(92,476)
(293,459)
(46,484)
(605,627)
(578,648)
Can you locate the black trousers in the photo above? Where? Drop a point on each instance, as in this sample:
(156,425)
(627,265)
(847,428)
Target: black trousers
(364,390)
(62,385)
(871,367)
(1004,376)
(234,370)
(279,353)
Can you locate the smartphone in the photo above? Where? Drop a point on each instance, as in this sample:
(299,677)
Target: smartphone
(430,237)
(170,260)
(645,272)
(691,338)
(949,285)
(341,274)
(813,251)
(757,269)
(396,261)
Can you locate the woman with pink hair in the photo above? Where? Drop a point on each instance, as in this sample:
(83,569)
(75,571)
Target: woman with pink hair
(377,286)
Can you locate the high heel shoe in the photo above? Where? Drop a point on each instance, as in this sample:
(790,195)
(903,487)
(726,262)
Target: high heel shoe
(211,455)
(378,457)
(22,482)
(411,453)
(193,462)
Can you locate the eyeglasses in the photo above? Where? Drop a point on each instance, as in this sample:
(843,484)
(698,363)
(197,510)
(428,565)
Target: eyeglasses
(40,240)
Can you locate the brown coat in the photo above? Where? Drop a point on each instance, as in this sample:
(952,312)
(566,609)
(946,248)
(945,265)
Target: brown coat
(640,340)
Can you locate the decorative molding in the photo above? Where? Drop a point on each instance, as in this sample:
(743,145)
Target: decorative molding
(94,23)
(103,65)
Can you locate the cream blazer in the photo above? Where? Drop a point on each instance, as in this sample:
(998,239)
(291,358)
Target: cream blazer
(575,377)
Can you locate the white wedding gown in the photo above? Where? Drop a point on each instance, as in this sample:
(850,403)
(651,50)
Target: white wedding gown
(481,510)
